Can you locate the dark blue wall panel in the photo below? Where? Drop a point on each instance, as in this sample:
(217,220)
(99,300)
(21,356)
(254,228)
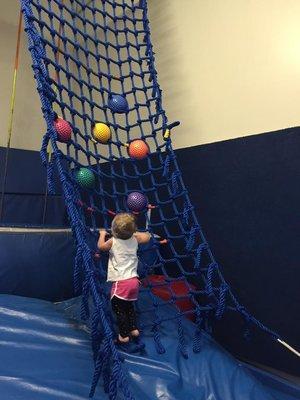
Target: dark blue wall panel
(246,193)
(37,264)
(25,173)
(28,209)
(25,188)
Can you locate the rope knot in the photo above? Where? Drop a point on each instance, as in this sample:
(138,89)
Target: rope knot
(210,271)
(175,183)
(222,300)
(191,237)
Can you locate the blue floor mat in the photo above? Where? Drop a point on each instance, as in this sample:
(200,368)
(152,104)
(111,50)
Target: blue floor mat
(46,355)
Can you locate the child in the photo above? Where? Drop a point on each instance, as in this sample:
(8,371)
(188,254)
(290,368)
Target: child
(122,271)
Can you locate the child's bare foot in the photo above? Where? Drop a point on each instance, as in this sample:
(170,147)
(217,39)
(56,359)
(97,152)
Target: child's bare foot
(123,339)
(135,333)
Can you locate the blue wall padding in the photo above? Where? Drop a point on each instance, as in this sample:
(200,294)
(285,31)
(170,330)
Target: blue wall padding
(28,209)
(247,195)
(25,172)
(47,356)
(37,264)
(25,189)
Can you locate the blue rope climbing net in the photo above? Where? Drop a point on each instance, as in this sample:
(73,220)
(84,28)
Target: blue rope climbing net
(93,62)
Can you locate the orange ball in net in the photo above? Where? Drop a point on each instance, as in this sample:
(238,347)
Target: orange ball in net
(138,149)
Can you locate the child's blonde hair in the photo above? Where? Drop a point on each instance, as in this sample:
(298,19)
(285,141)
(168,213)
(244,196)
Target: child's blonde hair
(123,226)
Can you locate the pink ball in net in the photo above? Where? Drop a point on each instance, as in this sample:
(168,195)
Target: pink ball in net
(63,130)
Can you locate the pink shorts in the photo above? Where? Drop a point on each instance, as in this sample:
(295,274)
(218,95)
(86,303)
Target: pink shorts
(127,289)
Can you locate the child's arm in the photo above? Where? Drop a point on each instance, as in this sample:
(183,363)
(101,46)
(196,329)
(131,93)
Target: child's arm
(102,244)
(142,237)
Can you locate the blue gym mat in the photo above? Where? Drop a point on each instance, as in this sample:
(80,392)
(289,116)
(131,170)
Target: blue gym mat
(46,355)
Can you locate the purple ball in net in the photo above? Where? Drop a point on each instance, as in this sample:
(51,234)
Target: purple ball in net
(136,201)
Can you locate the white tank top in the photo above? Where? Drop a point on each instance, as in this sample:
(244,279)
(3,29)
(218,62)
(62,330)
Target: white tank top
(123,261)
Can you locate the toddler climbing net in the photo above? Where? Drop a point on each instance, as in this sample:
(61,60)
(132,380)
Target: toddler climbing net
(108,136)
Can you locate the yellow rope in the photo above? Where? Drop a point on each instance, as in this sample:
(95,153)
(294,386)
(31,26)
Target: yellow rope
(14,83)
(12,108)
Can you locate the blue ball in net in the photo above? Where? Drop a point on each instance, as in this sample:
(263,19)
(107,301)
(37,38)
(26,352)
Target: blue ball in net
(118,104)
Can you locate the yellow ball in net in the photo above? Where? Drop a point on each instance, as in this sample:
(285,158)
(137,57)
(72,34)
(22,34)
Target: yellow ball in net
(101,132)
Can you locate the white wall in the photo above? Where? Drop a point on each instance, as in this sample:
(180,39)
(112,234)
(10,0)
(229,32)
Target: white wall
(228,68)
(28,124)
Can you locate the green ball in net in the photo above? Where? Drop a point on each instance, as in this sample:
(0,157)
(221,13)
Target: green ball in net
(85,178)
